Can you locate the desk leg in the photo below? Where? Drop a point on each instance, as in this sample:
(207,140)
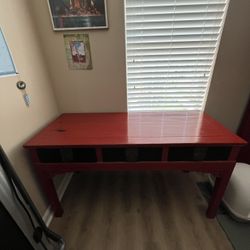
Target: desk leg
(49,189)
(218,192)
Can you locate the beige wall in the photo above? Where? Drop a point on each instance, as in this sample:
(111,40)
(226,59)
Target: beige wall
(98,90)
(230,86)
(104,87)
(17,122)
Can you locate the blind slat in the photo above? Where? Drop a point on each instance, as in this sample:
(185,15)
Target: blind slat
(171,39)
(171,103)
(168,71)
(179,42)
(171,2)
(173,31)
(166,90)
(174,18)
(156,97)
(172,45)
(177,24)
(146,4)
(190,6)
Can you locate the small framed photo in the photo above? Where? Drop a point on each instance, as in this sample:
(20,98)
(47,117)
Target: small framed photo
(78,14)
(77,48)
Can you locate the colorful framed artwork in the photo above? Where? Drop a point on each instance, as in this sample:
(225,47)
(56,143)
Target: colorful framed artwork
(78,14)
(77,48)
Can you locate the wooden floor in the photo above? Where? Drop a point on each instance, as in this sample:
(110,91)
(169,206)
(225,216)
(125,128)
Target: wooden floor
(137,211)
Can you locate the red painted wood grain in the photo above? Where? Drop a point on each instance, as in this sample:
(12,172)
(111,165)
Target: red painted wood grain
(161,128)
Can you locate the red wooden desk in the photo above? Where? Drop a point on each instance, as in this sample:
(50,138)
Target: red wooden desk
(134,141)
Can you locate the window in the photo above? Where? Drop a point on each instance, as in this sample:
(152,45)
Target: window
(171,47)
(6,64)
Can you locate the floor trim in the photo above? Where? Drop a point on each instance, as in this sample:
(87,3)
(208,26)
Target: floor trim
(48,215)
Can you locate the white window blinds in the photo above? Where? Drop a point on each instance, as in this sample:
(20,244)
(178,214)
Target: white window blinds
(171,46)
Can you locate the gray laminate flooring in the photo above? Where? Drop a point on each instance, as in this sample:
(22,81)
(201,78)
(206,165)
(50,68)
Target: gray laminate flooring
(137,211)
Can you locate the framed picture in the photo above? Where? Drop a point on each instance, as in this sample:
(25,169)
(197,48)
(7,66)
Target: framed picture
(77,48)
(78,14)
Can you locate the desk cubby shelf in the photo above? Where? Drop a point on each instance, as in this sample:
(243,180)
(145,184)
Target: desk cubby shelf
(133,154)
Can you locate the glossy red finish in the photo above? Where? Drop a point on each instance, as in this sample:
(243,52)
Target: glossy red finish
(133,129)
(164,129)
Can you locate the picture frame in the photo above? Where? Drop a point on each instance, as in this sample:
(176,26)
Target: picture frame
(78,14)
(77,48)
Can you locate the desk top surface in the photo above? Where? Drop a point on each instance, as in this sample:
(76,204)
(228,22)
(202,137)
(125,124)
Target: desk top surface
(93,129)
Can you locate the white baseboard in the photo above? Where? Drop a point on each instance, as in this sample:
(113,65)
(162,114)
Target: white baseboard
(48,215)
